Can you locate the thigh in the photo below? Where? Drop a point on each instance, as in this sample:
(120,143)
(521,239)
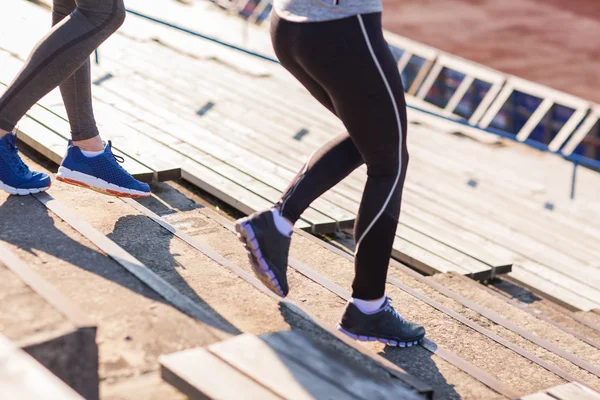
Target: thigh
(352,62)
(101,6)
(284,35)
(63,7)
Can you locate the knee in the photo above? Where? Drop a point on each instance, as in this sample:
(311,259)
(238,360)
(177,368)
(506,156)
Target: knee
(109,16)
(388,167)
(118,17)
(62,8)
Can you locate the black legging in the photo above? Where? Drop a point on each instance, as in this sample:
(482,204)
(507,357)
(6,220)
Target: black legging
(347,65)
(62,58)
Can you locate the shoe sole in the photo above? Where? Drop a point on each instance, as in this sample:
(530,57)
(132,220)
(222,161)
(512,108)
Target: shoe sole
(388,342)
(22,192)
(257,262)
(98,185)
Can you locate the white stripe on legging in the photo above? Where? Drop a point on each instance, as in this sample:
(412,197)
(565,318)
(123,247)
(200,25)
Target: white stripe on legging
(389,89)
(291,192)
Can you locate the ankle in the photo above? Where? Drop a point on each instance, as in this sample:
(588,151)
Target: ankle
(283,225)
(368,306)
(94,144)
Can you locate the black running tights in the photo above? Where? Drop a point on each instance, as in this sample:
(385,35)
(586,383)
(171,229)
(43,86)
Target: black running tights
(347,66)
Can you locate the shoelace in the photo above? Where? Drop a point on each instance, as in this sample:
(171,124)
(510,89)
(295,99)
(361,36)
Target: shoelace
(118,159)
(388,307)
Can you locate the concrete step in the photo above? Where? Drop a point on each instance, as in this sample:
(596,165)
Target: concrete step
(523,326)
(47,326)
(592,316)
(230,298)
(545,308)
(448,325)
(448,380)
(136,324)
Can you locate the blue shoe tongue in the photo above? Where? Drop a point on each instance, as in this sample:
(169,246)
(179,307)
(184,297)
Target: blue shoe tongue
(10,139)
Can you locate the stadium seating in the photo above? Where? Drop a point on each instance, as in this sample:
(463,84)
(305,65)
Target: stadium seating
(168,286)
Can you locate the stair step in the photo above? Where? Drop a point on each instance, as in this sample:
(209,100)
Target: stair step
(336,270)
(23,378)
(289,364)
(47,326)
(591,316)
(569,391)
(544,307)
(234,302)
(521,315)
(328,306)
(136,325)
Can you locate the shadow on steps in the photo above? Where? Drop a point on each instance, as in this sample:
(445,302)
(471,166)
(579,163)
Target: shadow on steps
(141,237)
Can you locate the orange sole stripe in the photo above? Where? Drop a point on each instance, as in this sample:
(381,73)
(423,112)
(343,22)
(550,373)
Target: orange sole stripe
(108,192)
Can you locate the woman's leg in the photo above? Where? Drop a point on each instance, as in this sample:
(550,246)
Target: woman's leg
(347,65)
(58,56)
(62,58)
(76,92)
(351,61)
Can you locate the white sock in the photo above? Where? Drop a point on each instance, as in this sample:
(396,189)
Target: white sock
(283,225)
(368,306)
(91,153)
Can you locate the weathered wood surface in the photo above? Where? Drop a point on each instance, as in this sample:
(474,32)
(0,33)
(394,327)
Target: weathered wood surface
(285,365)
(23,378)
(569,391)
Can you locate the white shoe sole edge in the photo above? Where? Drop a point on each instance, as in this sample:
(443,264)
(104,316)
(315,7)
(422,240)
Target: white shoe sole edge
(21,192)
(91,182)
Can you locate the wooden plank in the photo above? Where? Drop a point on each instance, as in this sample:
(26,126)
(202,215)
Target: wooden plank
(200,375)
(573,391)
(328,364)
(581,283)
(441,249)
(538,396)
(44,138)
(521,246)
(206,178)
(422,259)
(23,378)
(533,338)
(534,223)
(551,290)
(257,166)
(315,217)
(277,371)
(533,358)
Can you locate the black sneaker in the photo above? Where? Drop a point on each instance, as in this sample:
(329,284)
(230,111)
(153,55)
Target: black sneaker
(385,326)
(267,250)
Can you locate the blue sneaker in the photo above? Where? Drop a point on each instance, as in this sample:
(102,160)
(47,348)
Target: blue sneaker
(15,176)
(101,173)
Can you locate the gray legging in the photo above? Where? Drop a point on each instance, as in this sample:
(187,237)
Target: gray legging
(62,58)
